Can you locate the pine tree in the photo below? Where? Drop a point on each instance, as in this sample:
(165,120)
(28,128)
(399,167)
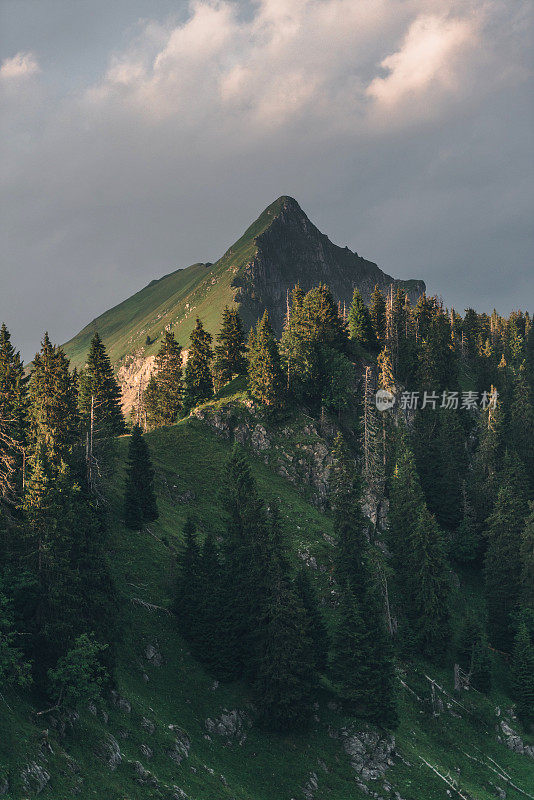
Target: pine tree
(416,545)
(163,394)
(349,522)
(99,397)
(315,627)
(360,325)
(139,498)
(377,311)
(522,675)
(362,666)
(53,415)
(373,444)
(198,377)
(522,422)
(230,349)
(12,418)
(246,574)
(190,586)
(286,675)
(264,369)
(423,316)
(502,566)
(428,588)
(527,560)
(210,633)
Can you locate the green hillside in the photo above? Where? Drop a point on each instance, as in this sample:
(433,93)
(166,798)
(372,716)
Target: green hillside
(175,300)
(165,697)
(282,247)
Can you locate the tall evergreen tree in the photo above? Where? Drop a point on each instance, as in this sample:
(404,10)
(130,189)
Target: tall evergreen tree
(527,560)
(164,392)
(245,572)
(12,417)
(264,369)
(198,377)
(139,497)
(190,586)
(522,422)
(286,673)
(416,544)
(377,311)
(315,627)
(428,588)
(230,349)
(522,675)
(502,565)
(360,324)
(349,522)
(53,415)
(99,394)
(362,665)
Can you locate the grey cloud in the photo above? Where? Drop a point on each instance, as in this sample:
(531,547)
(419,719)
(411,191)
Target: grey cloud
(99,198)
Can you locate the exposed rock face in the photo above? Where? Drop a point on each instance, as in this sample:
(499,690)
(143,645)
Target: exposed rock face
(4,787)
(230,724)
(310,787)
(133,376)
(306,461)
(153,654)
(370,752)
(109,750)
(120,702)
(34,778)
(181,746)
(293,250)
(513,741)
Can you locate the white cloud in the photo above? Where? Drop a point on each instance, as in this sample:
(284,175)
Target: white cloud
(22,65)
(427,60)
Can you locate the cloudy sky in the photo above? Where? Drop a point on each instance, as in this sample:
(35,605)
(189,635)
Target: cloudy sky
(139,136)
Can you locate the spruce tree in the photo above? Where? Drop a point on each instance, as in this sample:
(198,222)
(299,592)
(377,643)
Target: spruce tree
(190,586)
(315,627)
(360,324)
(210,635)
(99,394)
(502,567)
(139,498)
(423,316)
(230,349)
(522,422)
(377,311)
(163,394)
(198,377)
(416,544)
(286,675)
(522,675)
(427,599)
(349,523)
(53,415)
(527,560)
(245,575)
(264,369)
(361,665)
(12,418)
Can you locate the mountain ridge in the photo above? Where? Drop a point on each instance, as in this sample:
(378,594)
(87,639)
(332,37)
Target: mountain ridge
(280,248)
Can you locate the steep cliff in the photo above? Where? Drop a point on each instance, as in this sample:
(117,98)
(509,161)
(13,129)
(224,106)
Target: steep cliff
(292,249)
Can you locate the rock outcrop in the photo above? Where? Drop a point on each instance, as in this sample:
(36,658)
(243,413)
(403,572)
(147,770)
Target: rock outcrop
(292,249)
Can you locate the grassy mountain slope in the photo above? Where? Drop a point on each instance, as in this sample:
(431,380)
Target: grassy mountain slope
(280,248)
(189,460)
(174,300)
